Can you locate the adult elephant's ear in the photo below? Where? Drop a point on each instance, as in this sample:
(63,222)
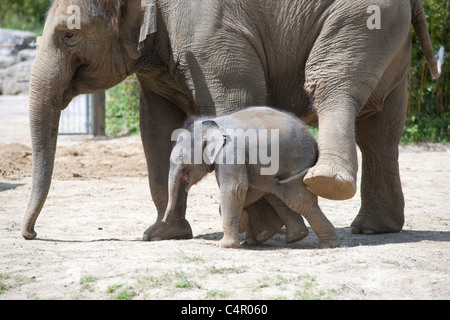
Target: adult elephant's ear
(148,26)
(138,23)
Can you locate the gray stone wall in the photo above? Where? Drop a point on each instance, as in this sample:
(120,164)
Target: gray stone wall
(17,52)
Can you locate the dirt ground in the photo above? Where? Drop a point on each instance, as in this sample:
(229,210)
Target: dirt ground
(89,232)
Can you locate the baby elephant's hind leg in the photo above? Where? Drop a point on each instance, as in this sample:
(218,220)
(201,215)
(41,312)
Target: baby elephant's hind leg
(263,222)
(323,228)
(296,229)
(301,200)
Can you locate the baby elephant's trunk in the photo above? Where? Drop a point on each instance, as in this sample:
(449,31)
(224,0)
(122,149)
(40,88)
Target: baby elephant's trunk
(173,186)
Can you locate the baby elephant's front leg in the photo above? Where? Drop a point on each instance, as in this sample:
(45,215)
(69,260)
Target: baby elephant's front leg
(232,204)
(323,228)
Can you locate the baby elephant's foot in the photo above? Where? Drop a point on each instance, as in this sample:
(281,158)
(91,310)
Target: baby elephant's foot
(329,244)
(229,242)
(297,235)
(296,229)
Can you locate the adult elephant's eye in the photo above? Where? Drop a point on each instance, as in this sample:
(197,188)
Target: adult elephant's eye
(72,39)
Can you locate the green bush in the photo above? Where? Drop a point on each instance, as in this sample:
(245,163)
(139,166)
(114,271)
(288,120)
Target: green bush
(424,128)
(428,117)
(23,14)
(122,108)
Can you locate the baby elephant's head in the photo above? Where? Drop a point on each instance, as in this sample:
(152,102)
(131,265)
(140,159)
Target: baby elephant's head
(192,158)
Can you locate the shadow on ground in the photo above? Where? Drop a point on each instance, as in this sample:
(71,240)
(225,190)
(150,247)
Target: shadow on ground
(9,186)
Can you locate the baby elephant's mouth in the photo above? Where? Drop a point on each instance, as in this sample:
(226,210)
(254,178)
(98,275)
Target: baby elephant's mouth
(186,177)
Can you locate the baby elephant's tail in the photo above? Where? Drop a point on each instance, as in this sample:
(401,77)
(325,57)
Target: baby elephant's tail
(300,175)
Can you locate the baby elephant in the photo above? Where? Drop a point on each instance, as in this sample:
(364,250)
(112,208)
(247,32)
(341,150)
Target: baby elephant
(256,152)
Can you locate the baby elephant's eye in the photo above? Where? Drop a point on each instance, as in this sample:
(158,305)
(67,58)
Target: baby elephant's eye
(68,35)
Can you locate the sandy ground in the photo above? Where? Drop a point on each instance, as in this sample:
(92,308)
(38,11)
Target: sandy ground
(89,232)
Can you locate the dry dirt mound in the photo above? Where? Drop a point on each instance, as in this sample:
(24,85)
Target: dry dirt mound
(15,161)
(85,159)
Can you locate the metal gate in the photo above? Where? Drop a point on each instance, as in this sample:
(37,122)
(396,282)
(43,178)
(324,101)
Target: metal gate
(76,118)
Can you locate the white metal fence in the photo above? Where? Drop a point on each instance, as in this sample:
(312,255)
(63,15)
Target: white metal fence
(76,118)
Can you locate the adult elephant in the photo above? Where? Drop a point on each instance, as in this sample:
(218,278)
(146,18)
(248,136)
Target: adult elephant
(320,60)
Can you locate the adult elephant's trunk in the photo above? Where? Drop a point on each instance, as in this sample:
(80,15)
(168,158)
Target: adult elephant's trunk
(45,108)
(44,128)
(175,176)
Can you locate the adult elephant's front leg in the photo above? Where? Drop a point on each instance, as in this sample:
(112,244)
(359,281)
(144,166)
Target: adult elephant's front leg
(158,119)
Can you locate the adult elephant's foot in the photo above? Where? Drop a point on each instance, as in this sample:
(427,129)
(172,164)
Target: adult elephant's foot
(176,228)
(368,222)
(330,182)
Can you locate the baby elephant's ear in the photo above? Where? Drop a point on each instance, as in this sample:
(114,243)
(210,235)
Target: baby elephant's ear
(215,138)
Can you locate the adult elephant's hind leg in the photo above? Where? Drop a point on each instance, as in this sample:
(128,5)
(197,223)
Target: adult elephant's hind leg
(342,71)
(382,201)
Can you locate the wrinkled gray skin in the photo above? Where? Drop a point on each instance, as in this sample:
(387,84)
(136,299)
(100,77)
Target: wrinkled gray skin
(242,184)
(316,59)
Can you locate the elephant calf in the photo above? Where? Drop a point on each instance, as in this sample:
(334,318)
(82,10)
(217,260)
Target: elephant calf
(237,147)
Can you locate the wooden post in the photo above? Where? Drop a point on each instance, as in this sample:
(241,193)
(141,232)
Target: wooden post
(98,122)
